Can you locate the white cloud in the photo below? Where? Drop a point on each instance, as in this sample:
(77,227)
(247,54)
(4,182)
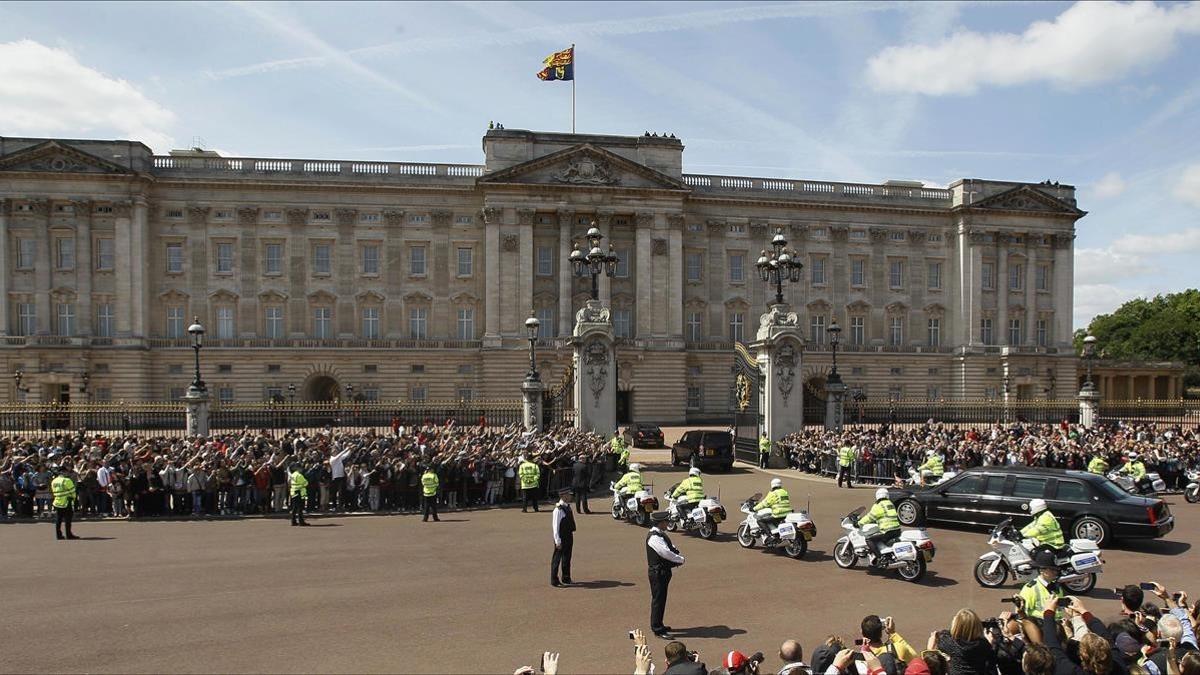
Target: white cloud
(1090,42)
(1092,300)
(1106,265)
(1188,187)
(47,92)
(1111,185)
(1184,241)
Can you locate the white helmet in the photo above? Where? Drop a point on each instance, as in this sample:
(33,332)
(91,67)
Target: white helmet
(881,493)
(1133,455)
(931,452)
(1037,506)
(635,467)
(694,472)
(776,483)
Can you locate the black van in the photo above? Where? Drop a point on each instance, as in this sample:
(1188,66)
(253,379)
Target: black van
(704,449)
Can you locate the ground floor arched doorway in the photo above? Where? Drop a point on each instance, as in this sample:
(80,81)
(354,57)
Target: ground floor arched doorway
(321,388)
(814,401)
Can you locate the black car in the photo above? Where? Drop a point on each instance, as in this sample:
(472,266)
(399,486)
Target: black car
(644,435)
(1087,505)
(703,449)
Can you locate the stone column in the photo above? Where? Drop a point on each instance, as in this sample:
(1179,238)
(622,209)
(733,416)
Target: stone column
(44,263)
(526,266)
(1064,302)
(565,220)
(595,363)
(779,346)
(836,392)
(645,275)
(972,284)
(1030,295)
(83,267)
(531,410)
(675,299)
(1001,331)
(196,403)
(140,233)
(5,317)
(491,237)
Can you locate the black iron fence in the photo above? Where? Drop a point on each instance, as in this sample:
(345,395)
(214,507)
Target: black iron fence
(907,413)
(170,418)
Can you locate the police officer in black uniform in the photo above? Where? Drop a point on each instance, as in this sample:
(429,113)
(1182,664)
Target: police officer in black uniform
(661,557)
(563,529)
(580,474)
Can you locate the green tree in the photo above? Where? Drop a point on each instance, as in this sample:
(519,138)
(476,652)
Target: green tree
(1164,328)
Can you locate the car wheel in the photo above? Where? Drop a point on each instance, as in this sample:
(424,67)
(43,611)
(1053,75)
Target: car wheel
(910,512)
(1091,527)
(674,458)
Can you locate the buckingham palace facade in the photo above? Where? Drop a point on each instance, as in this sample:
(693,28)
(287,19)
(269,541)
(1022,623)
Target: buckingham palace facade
(412,281)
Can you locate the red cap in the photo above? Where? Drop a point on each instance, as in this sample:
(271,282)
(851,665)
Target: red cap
(734,661)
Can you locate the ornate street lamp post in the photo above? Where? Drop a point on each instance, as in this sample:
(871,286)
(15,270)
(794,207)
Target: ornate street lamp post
(595,261)
(1089,357)
(779,266)
(197,333)
(17,377)
(531,326)
(292,407)
(292,392)
(835,332)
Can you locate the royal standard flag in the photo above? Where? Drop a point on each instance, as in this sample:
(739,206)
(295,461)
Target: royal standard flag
(559,66)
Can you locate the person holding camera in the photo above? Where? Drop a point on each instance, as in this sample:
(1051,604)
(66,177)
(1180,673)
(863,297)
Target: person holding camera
(964,643)
(682,662)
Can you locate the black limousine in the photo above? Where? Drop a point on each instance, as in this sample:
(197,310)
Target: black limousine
(1087,505)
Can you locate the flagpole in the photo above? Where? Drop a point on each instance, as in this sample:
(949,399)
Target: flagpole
(572,87)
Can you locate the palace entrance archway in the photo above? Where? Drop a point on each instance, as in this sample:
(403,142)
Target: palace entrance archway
(321,388)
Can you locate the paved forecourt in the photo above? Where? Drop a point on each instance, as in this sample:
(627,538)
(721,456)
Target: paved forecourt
(472,593)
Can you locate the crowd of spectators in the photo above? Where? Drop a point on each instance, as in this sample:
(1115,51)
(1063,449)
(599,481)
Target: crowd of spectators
(884,454)
(1141,636)
(246,473)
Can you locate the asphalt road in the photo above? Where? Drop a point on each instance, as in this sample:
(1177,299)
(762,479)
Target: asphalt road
(470,594)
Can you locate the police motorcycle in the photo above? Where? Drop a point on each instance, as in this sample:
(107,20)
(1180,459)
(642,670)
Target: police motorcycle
(703,517)
(909,555)
(1192,492)
(635,508)
(1012,555)
(914,478)
(1151,486)
(792,535)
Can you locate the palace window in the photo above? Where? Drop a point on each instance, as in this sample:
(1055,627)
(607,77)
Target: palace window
(370,323)
(1043,332)
(104,254)
(225,327)
(273,322)
(26,253)
(416,261)
(737,268)
(818,270)
(175,258)
(418,323)
(65,259)
(322,323)
(224,257)
(622,271)
(985,331)
(66,319)
(858,272)
(1015,335)
(897,332)
(26,318)
(466,262)
(466,323)
(896,274)
(546,326)
(816,327)
(693,263)
(694,326)
(934,331)
(370,259)
(1042,278)
(417,393)
(695,396)
(858,330)
(934,276)
(322,263)
(545,261)
(175,322)
(1016,277)
(623,323)
(104,320)
(273,258)
(737,324)
(988,277)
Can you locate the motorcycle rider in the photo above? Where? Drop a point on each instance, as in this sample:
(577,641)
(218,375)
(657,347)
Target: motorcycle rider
(631,482)
(1044,528)
(1098,465)
(693,488)
(1135,469)
(778,501)
(933,467)
(1035,594)
(883,514)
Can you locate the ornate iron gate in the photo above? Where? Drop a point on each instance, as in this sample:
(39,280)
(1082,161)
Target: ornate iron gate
(814,402)
(558,401)
(746,403)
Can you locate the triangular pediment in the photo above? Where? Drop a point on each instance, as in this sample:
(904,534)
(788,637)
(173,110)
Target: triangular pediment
(1026,199)
(57,157)
(586,166)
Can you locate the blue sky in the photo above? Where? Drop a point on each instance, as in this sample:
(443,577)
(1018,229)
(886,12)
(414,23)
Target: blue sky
(1104,96)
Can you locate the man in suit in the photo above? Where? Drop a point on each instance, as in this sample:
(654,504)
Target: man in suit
(661,558)
(563,530)
(580,475)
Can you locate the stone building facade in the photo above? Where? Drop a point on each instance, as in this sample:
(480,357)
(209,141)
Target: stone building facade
(412,281)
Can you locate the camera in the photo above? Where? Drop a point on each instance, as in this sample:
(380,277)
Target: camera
(1146,586)
(993,624)
(1064,601)
(858,642)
